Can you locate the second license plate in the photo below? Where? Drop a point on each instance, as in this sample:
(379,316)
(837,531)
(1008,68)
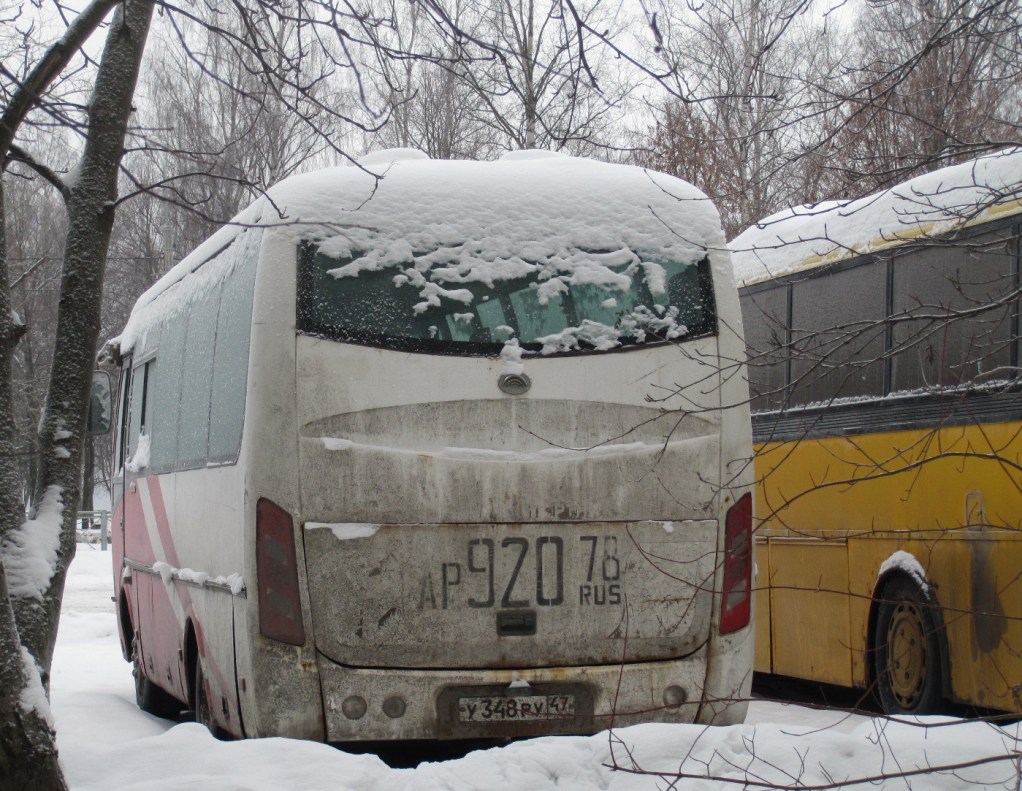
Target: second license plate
(499,708)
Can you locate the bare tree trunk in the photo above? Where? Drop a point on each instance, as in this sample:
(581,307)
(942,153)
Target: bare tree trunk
(90,203)
(28,755)
(12,509)
(30,394)
(29,92)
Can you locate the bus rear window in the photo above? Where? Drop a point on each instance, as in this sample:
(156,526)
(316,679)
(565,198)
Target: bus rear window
(607,307)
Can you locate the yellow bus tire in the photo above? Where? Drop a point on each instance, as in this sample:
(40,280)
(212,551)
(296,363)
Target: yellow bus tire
(908,664)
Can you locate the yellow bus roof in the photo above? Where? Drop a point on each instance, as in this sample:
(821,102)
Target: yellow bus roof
(807,237)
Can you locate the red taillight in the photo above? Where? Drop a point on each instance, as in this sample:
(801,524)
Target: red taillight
(280,606)
(736,595)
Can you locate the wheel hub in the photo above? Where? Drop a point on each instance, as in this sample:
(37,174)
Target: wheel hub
(906,645)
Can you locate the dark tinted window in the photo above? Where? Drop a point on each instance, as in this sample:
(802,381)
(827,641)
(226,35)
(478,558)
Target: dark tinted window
(765,316)
(952,312)
(648,302)
(838,334)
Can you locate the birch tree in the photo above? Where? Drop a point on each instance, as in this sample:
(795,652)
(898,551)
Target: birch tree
(38,552)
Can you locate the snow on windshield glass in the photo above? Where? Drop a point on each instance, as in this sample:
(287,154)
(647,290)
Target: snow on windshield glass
(546,309)
(561,254)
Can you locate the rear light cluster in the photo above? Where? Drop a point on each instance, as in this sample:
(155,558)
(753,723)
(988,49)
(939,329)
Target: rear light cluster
(736,593)
(280,606)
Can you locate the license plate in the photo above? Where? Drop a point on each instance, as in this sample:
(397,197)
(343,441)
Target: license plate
(501,708)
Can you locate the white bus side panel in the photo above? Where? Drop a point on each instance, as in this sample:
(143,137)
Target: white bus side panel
(279,685)
(181,534)
(728,682)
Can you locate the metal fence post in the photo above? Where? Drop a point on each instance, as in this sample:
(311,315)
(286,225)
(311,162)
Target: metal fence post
(85,518)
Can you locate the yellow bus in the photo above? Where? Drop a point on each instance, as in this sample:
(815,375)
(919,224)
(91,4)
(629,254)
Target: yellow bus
(883,340)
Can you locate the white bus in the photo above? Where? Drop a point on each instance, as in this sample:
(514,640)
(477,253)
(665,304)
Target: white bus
(458,449)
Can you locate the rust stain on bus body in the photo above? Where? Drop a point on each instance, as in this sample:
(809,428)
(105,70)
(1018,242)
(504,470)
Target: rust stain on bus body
(988,622)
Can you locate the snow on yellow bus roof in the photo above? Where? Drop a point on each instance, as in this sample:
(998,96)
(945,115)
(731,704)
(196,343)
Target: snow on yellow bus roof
(807,237)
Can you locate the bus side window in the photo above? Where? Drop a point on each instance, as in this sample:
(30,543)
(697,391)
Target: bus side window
(766,334)
(167,394)
(838,333)
(139,409)
(935,283)
(230,371)
(125,410)
(197,380)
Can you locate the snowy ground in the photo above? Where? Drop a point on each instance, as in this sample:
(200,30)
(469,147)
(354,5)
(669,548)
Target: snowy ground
(107,744)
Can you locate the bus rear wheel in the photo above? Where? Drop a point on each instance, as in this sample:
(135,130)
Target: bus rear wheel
(907,656)
(202,711)
(151,698)
(203,715)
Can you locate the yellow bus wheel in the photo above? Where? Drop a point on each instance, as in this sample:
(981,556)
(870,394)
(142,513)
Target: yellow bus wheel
(907,656)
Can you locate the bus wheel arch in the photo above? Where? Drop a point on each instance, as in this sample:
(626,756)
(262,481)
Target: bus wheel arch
(908,665)
(191,663)
(127,631)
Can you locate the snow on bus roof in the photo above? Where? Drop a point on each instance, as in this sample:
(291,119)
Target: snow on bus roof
(465,221)
(936,203)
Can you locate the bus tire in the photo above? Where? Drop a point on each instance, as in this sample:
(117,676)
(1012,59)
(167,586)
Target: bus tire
(907,657)
(150,697)
(203,714)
